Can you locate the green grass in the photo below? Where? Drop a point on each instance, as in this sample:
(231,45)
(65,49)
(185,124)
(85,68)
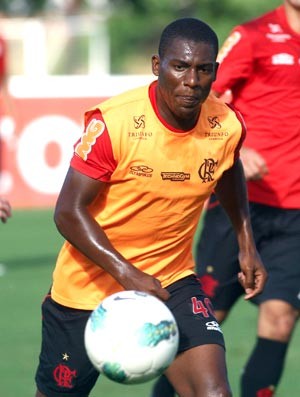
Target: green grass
(29,244)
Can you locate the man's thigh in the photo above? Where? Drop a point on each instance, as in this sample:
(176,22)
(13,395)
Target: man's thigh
(202,368)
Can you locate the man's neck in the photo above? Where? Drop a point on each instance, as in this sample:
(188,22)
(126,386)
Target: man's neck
(292,16)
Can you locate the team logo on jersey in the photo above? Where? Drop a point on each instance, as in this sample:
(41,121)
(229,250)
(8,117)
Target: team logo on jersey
(209,284)
(175,176)
(266,392)
(139,121)
(64,376)
(94,129)
(207,170)
(214,122)
(141,170)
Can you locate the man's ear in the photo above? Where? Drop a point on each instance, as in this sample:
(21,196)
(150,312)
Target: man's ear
(155,65)
(216,70)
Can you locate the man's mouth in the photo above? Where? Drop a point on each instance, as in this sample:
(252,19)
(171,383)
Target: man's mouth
(189,100)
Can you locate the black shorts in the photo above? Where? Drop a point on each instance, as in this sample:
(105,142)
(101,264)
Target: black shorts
(64,368)
(277,236)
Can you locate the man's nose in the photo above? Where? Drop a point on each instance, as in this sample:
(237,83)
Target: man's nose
(192,77)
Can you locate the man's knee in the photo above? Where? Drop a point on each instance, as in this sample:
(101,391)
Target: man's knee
(276,320)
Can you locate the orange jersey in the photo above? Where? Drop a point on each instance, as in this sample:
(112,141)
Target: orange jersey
(158,181)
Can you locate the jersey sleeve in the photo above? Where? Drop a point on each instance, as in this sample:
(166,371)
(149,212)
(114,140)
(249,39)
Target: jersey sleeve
(93,154)
(236,60)
(243,134)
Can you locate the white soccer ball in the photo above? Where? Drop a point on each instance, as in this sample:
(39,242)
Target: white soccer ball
(131,337)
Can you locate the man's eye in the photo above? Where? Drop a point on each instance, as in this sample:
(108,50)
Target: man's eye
(206,68)
(179,67)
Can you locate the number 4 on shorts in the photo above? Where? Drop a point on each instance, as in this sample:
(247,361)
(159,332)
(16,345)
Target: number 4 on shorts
(202,307)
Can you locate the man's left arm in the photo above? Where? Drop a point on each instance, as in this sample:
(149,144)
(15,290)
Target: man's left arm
(231,191)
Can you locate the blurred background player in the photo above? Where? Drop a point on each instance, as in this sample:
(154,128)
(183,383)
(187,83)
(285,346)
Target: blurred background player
(2,82)
(2,62)
(5,207)
(260,71)
(260,65)
(5,102)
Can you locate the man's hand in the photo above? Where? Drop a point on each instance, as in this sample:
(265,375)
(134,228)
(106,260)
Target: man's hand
(134,279)
(254,164)
(5,209)
(253,275)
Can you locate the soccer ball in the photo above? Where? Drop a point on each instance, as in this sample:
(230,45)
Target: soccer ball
(131,337)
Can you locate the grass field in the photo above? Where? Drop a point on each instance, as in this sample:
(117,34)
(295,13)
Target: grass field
(28,247)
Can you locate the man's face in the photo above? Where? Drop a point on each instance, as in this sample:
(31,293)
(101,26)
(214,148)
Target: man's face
(185,75)
(293,3)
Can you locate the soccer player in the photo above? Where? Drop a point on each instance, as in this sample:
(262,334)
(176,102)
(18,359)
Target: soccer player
(5,209)
(260,65)
(260,71)
(129,207)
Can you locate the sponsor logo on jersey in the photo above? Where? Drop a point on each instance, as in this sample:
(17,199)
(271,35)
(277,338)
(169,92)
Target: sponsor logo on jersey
(213,326)
(141,170)
(283,59)
(207,170)
(215,125)
(276,34)
(275,28)
(139,134)
(214,122)
(278,37)
(139,121)
(175,176)
(216,135)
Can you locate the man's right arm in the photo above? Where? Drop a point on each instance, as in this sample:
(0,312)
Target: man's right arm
(77,225)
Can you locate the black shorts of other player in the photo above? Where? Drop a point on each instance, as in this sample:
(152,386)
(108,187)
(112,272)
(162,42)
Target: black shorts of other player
(280,255)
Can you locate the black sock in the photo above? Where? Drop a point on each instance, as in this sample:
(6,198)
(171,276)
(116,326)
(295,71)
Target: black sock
(264,368)
(162,388)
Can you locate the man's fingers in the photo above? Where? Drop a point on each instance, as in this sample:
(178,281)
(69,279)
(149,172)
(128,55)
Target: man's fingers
(258,282)
(249,280)
(164,295)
